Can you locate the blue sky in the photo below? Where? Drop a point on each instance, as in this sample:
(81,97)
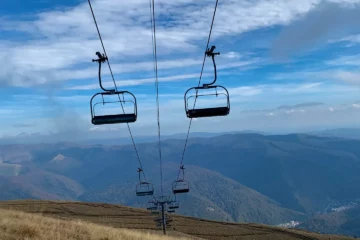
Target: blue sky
(302,54)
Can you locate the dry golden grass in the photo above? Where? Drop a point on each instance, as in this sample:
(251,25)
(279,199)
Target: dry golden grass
(121,217)
(16,225)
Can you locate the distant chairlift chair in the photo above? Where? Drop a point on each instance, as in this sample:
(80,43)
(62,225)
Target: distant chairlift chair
(180,185)
(144,188)
(113,118)
(173,205)
(207,112)
(152,206)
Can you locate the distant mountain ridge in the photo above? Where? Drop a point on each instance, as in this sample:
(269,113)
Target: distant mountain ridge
(246,177)
(108,139)
(350,133)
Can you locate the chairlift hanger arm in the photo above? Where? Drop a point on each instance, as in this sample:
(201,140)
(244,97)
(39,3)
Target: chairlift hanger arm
(101,59)
(210,53)
(183,172)
(139,171)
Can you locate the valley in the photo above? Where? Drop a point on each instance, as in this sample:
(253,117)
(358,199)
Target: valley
(240,177)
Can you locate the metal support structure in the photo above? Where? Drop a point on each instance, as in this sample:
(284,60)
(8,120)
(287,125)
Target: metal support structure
(164,203)
(163,217)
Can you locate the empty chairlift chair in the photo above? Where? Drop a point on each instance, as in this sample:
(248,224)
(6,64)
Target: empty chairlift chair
(180,185)
(173,205)
(144,188)
(192,112)
(121,97)
(99,119)
(152,206)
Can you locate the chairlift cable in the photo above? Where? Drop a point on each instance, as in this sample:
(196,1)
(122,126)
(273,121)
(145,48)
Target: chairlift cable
(201,73)
(152,35)
(153,25)
(112,75)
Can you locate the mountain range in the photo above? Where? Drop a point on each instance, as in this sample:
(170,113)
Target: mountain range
(242,177)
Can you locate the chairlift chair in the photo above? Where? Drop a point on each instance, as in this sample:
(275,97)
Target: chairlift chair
(173,205)
(211,111)
(180,185)
(111,118)
(144,188)
(151,206)
(207,112)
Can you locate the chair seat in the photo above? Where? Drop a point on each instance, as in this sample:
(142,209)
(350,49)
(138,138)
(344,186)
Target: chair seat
(113,119)
(208,112)
(148,193)
(184,190)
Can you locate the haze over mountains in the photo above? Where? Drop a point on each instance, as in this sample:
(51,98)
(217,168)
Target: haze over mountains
(112,137)
(245,177)
(104,138)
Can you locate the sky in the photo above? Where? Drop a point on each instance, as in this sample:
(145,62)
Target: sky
(288,65)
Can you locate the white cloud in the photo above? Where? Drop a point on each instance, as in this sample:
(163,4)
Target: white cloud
(232,55)
(290,111)
(295,111)
(345,76)
(331,109)
(246,91)
(173,118)
(355,105)
(352,60)
(351,40)
(271,114)
(327,19)
(135,82)
(63,39)
(297,88)
(61,44)
(94,128)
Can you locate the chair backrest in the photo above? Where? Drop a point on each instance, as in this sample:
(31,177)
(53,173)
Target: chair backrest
(144,189)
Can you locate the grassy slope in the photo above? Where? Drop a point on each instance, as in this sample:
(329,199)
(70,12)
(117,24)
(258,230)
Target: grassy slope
(131,218)
(18,225)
